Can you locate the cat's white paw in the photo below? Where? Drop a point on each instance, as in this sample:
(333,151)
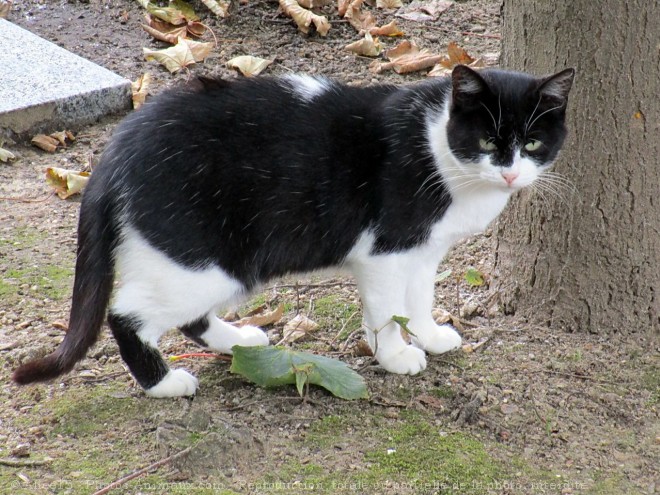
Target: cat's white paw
(177,383)
(409,361)
(222,337)
(438,339)
(251,336)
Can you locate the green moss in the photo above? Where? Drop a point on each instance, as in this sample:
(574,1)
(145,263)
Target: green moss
(611,484)
(334,313)
(51,281)
(409,455)
(84,412)
(443,392)
(419,456)
(651,382)
(24,237)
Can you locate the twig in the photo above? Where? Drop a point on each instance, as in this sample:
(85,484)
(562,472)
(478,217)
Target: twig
(480,35)
(581,377)
(151,467)
(221,357)
(343,327)
(465,33)
(270,399)
(24,463)
(23,199)
(451,363)
(310,286)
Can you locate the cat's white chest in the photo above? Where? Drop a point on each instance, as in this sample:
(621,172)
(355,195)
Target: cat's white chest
(469,213)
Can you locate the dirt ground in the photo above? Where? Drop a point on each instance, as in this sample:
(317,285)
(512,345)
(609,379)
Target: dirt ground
(521,410)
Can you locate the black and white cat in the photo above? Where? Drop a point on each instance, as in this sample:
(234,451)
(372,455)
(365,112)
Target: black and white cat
(209,191)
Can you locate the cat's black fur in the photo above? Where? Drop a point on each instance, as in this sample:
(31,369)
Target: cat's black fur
(252,178)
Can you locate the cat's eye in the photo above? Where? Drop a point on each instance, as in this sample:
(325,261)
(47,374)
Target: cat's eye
(487,145)
(533,145)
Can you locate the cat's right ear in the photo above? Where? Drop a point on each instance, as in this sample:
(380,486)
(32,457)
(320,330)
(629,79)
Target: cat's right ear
(467,85)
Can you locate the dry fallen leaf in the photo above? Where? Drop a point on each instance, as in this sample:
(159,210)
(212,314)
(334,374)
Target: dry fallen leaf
(262,318)
(249,66)
(389,4)
(342,6)
(174,58)
(367,46)
(6,155)
(66,182)
(424,10)
(183,54)
(305,18)
(455,56)
(199,49)
(218,7)
(361,21)
(5,5)
(312,4)
(62,136)
(46,143)
(362,349)
(170,36)
(177,13)
(389,29)
(51,142)
(297,328)
(406,57)
(140,88)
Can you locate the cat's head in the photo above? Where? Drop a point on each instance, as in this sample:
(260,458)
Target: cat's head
(506,128)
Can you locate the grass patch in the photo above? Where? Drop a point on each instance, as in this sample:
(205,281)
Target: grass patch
(409,456)
(82,413)
(417,456)
(334,313)
(49,281)
(651,382)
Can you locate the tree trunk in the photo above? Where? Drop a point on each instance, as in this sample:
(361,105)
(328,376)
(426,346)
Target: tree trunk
(590,259)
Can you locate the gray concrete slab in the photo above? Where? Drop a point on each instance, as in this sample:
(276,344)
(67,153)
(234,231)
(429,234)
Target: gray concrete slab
(44,88)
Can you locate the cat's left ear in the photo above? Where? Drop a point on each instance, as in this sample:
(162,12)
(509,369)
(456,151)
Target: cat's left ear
(557,86)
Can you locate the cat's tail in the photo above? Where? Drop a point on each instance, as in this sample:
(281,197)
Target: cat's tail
(91,293)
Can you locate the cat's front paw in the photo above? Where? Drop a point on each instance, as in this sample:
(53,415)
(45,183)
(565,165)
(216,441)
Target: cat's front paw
(409,361)
(177,383)
(250,336)
(437,339)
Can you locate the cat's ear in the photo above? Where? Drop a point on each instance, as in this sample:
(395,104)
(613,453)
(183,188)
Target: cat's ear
(467,85)
(557,86)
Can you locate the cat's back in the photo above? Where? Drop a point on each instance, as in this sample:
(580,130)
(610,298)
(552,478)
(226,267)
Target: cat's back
(265,120)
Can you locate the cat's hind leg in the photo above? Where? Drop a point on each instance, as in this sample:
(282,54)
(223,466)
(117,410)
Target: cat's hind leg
(157,294)
(219,336)
(137,346)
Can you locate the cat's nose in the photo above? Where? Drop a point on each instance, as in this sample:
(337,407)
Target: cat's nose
(509,177)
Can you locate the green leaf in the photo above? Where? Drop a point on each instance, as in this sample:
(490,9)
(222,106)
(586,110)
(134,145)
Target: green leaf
(443,275)
(474,277)
(403,323)
(270,366)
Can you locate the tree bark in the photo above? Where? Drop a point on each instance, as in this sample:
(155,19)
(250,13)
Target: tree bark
(590,259)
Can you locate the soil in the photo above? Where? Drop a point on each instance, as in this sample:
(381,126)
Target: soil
(520,410)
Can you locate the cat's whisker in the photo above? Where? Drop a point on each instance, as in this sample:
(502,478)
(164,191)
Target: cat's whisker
(543,113)
(532,115)
(491,116)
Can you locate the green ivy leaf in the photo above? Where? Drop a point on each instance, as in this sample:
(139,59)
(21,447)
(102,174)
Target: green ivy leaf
(474,277)
(271,366)
(403,323)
